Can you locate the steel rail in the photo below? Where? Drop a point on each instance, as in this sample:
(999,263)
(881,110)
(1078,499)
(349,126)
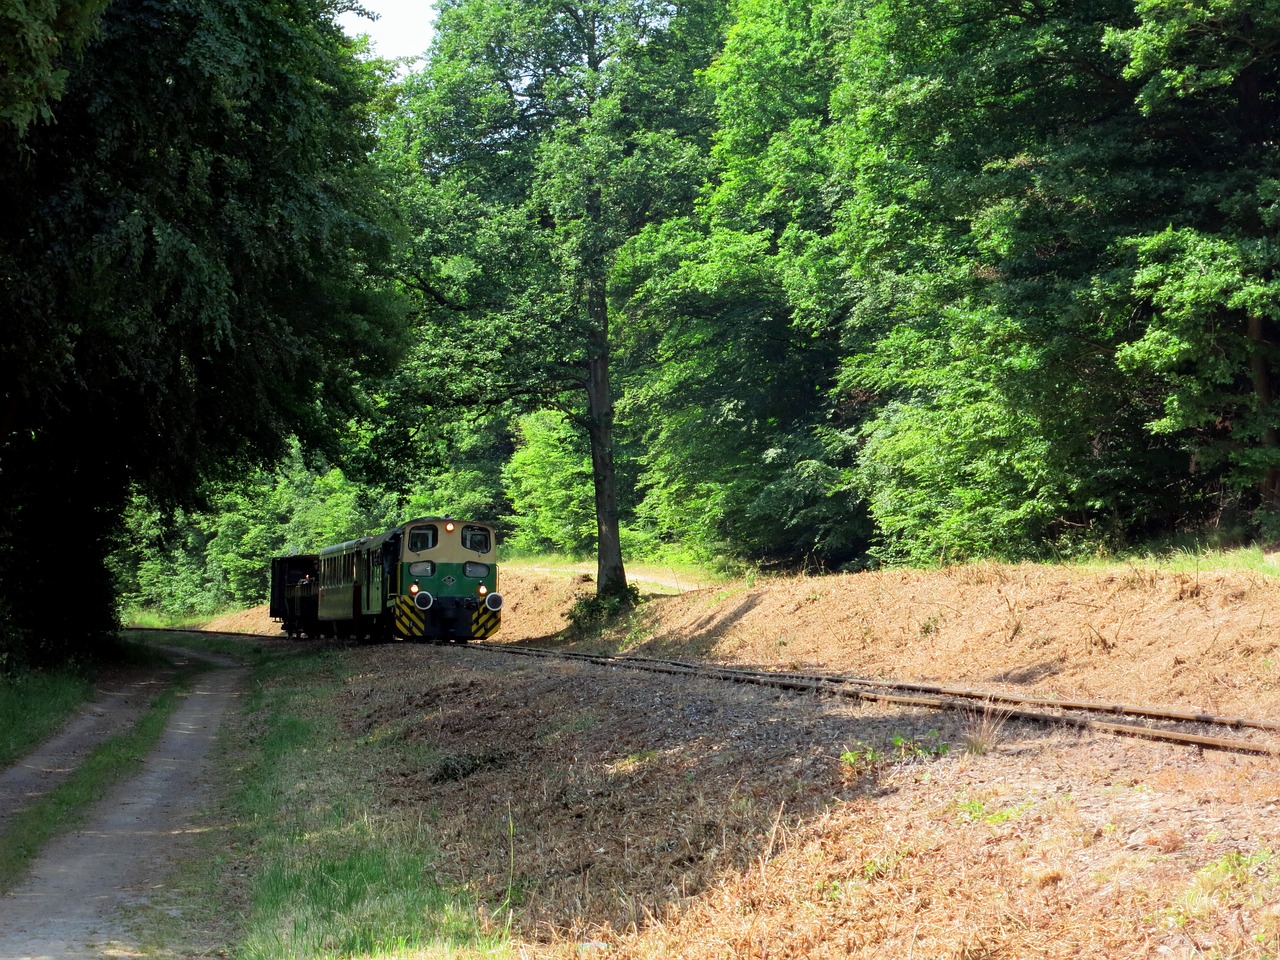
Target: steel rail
(941,698)
(928,696)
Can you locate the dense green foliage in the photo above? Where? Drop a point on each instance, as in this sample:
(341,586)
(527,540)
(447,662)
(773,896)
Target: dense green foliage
(39,40)
(813,282)
(1064,313)
(188,258)
(202,562)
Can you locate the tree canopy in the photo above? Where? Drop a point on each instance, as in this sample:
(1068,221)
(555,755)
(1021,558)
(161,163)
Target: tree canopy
(805,282)
(190,261)
(540,137)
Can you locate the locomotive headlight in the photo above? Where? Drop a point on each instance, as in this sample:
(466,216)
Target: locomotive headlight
(448,526)
(413,588)
(483,589)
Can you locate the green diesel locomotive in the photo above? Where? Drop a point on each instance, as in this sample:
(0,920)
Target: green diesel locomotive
(433,579)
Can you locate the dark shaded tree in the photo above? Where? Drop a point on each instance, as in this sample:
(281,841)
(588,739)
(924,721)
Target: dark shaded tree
(1207,274)
(187,276)
(40,41)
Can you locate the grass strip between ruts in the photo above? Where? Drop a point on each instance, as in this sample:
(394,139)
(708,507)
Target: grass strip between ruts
(66,805)
(34,705)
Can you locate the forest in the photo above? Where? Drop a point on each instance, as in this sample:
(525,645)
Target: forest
(805,284)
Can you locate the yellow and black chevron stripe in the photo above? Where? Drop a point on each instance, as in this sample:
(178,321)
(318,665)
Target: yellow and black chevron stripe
(485,623)
(410,621)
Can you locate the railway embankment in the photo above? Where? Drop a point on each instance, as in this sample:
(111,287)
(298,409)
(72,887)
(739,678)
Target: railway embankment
(1206,640)
(588,809)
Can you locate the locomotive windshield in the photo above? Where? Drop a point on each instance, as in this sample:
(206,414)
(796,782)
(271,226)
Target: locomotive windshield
(475,538)
(422,538)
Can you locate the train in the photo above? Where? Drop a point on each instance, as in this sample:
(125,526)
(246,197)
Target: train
(430,580)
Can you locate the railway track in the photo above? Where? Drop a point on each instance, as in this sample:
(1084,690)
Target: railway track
(1184,727)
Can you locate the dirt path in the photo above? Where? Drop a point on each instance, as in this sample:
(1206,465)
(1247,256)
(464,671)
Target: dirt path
(69,906)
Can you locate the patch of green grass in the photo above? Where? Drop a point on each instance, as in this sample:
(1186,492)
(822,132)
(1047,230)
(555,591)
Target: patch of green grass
(155,619)
(977,810)
(1189,557)
(331,873)
(1234,879)
(65,805)
(34,705)
(152,619)
(245,648)
(863,758)
(549,733)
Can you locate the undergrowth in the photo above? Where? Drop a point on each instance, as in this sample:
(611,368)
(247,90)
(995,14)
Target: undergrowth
(590,611)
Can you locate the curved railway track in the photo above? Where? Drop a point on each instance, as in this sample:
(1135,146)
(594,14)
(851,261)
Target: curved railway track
(1185,727)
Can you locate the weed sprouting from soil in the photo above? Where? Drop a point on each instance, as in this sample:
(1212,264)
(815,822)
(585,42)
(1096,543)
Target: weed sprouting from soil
(864,759)
(982,727)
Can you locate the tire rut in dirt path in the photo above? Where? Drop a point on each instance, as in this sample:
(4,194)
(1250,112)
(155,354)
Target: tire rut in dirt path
(120,699)
(69,905)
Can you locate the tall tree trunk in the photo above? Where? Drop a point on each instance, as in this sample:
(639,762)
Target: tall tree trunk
(611,578)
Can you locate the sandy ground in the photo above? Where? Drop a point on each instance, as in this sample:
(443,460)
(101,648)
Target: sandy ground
(636,816)
(1207,640)
(655,818)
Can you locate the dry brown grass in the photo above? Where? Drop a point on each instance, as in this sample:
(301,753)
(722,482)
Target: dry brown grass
(638,816)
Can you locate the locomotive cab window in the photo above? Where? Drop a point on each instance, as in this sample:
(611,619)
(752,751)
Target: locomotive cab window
(475,538)
(477,570)
(422,538)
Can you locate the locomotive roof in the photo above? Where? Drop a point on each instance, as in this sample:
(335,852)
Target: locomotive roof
(379,538)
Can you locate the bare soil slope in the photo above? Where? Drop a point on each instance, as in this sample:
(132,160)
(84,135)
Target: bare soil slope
(1205,640)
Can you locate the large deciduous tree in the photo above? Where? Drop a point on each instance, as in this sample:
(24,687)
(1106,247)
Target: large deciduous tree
(541,135)
(1037,224)
(739,307)
(187,268)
